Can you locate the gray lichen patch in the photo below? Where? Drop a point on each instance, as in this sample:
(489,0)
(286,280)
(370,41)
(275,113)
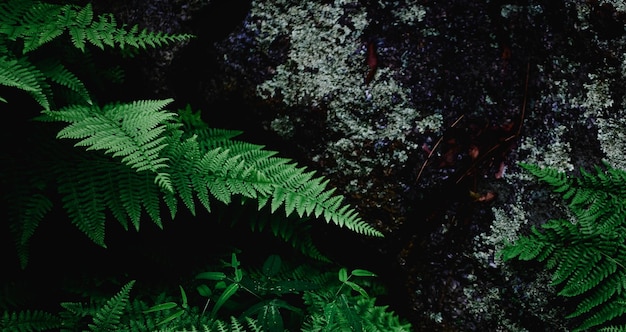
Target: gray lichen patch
(554,154)
(326,67)
(323,61)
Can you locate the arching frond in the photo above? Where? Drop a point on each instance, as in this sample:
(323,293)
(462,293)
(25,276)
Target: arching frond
(588,256)
(21,74)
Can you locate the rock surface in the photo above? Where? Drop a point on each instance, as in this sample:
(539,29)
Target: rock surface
(418,112)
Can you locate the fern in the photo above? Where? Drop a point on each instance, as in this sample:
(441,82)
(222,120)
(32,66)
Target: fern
(29,321)
(108,317)
(587,257)
(332,303)
(137,157)
(26,25)
(30,210)
(232,325)
(39,23)
(131,131)
(256,173)
(328,312)
(20,73)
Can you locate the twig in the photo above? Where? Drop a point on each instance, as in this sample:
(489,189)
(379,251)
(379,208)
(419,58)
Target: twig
(435,148)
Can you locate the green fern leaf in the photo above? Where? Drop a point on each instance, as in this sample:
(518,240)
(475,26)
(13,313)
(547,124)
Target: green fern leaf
(27,211)
(607,312)
(587,257)
(23,75)
(60,75)
(83,202)
(41,25)
(29,321)
(131,131)
(108,317)
(621,328)
(614,284)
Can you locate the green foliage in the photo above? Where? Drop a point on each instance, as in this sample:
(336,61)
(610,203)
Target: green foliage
(334,301)
(137,161)
(149,156)
(132,131)
(29,321)
(588,256)
(147,159)
(348,307)
(27,25)
(276,297)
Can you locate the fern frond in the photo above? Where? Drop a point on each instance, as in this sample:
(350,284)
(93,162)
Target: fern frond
(12,13)
(108,317)
(621,328)
(57,73)
(607,312)
(553,177)
(587,257)
(614,284)
(38,23)
(229,167)
(92,186)
(29,321)
(20,73)
(132,131)
(27,211)
(328,312)
(83,200)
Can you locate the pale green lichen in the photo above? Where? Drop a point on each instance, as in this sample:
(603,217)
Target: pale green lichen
(598,96)
(620,5)
(326,68)
(612,137)
(323,58)
(485,302)
(556,154)
(504,229)
(612,131)
(409,13)
(283,126)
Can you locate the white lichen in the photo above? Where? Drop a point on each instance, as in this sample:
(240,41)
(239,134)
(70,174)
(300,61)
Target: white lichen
(409,13)
(326,67)
(556,154)
(598,96)
(612,138)
(620,5)
(283,126)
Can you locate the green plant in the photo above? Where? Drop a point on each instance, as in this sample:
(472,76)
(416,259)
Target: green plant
(27,25)
(138,155)
(278,297)
(137,161)
(587,256)
(330,301)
